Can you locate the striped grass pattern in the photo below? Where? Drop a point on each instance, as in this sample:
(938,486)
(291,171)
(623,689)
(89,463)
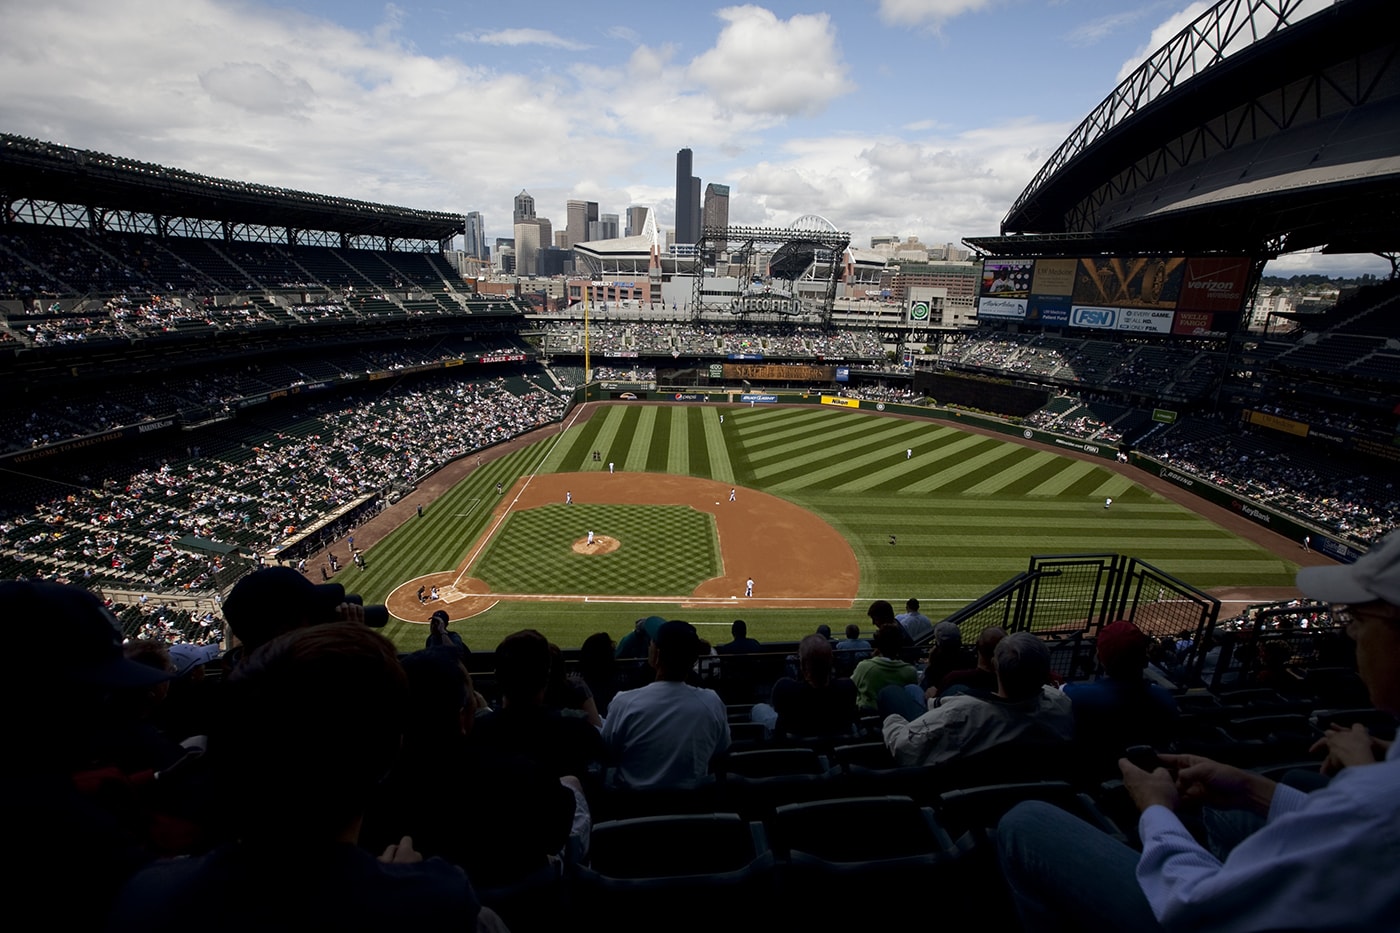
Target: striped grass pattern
(667,551)
(966,511)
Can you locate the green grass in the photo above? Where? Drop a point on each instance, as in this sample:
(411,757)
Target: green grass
(667,551)
(968,512)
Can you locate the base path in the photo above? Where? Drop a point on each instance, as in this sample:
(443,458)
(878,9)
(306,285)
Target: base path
(796,560)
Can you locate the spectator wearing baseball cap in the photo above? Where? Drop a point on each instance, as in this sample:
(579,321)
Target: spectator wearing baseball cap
(439,636)
(1121,708)
(1324,860)
(945,655)
(274,600)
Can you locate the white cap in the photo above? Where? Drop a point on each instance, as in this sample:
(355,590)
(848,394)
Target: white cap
(1374,576)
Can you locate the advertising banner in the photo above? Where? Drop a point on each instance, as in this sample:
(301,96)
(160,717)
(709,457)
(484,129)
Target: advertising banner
(1052,310)
(1194,324)
(918,311)
(1090,316)
(1007,278)
(1130,281)
(840,401)
(774,372)
(990,306)
(843,374)
(1286,425)
(1144,322)
(1214,284)
(1054,277)
(751,398)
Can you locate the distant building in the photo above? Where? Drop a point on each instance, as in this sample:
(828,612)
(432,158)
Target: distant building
(604,228)
(524,207)
(687,200)
(636,217)
(531,236)
(580,215)
(956,283)
(476,236)
(717,210)
(553,261)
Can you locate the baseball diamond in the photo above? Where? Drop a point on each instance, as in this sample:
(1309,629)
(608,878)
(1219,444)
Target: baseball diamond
(967,510)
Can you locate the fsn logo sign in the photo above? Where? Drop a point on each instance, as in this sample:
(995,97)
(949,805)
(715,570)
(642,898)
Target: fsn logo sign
(918,311)
(1094,317)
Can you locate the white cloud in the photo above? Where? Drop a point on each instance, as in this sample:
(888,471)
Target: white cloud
(941,188)
(928,12)
(255,88)
(761,64)
(524,37)
(1162,34)
(1093,31)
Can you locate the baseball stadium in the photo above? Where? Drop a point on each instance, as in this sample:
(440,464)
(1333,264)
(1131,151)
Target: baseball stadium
(229,403)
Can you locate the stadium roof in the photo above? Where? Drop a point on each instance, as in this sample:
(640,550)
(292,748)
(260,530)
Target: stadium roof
(47,172)
(1262,127)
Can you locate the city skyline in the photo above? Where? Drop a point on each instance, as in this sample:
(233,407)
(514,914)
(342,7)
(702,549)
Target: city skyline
(918,118)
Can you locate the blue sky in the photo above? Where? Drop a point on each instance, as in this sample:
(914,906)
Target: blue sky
(910,117)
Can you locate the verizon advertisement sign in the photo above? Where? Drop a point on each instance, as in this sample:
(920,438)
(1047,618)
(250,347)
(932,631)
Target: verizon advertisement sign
(1214,284)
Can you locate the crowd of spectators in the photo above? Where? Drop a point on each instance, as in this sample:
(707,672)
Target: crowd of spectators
(1354,505)
(259,495)
(1124,367)
(691,339)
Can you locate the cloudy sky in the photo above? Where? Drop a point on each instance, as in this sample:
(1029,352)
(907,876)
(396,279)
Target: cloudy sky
(911,117)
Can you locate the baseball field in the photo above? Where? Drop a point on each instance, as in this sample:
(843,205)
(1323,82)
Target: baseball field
(830,509)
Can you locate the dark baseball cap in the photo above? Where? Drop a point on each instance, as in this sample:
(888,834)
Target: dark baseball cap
(88,635)
(274,600)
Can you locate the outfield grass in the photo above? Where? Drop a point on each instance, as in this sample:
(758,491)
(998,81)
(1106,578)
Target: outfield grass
(968,511)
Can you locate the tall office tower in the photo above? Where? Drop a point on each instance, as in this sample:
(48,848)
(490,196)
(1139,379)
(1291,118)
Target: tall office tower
(581,214)
(687,200)
(636,216)
(524,207)
(528,239)
(561,239)
(607,225)
(476,236)
(717,210)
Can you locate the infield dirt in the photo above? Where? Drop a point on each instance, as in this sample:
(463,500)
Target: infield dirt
(796,560)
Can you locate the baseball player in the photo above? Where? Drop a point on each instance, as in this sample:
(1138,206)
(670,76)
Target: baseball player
(731,495)
(748,587)
(590,539)
(568,497)
(610,466)
(1108,503)
(908,453)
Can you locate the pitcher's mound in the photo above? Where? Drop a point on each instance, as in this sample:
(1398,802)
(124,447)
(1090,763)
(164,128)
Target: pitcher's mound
(602,544)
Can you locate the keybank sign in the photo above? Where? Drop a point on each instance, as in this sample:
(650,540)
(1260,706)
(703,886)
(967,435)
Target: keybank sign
(1106,318)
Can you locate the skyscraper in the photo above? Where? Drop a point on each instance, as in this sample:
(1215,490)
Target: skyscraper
(607,227)
(636,216)
(531,235)
(476,236)
(524,207)
(687,200)
(581,214)
(717,209)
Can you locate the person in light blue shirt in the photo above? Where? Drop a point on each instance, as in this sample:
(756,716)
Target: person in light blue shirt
(1329,860)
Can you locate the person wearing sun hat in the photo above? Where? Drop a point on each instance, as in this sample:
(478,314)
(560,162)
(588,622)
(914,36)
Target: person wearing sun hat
(1325,860)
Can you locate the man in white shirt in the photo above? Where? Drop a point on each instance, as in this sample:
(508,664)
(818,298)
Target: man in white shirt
(1322,861)
(664,734)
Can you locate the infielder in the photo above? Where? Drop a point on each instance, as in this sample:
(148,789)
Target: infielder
(590,539)
(568,497)
(748,587)
(731,495)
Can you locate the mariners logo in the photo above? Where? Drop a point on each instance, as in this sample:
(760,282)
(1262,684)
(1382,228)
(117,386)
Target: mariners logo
(918,311)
